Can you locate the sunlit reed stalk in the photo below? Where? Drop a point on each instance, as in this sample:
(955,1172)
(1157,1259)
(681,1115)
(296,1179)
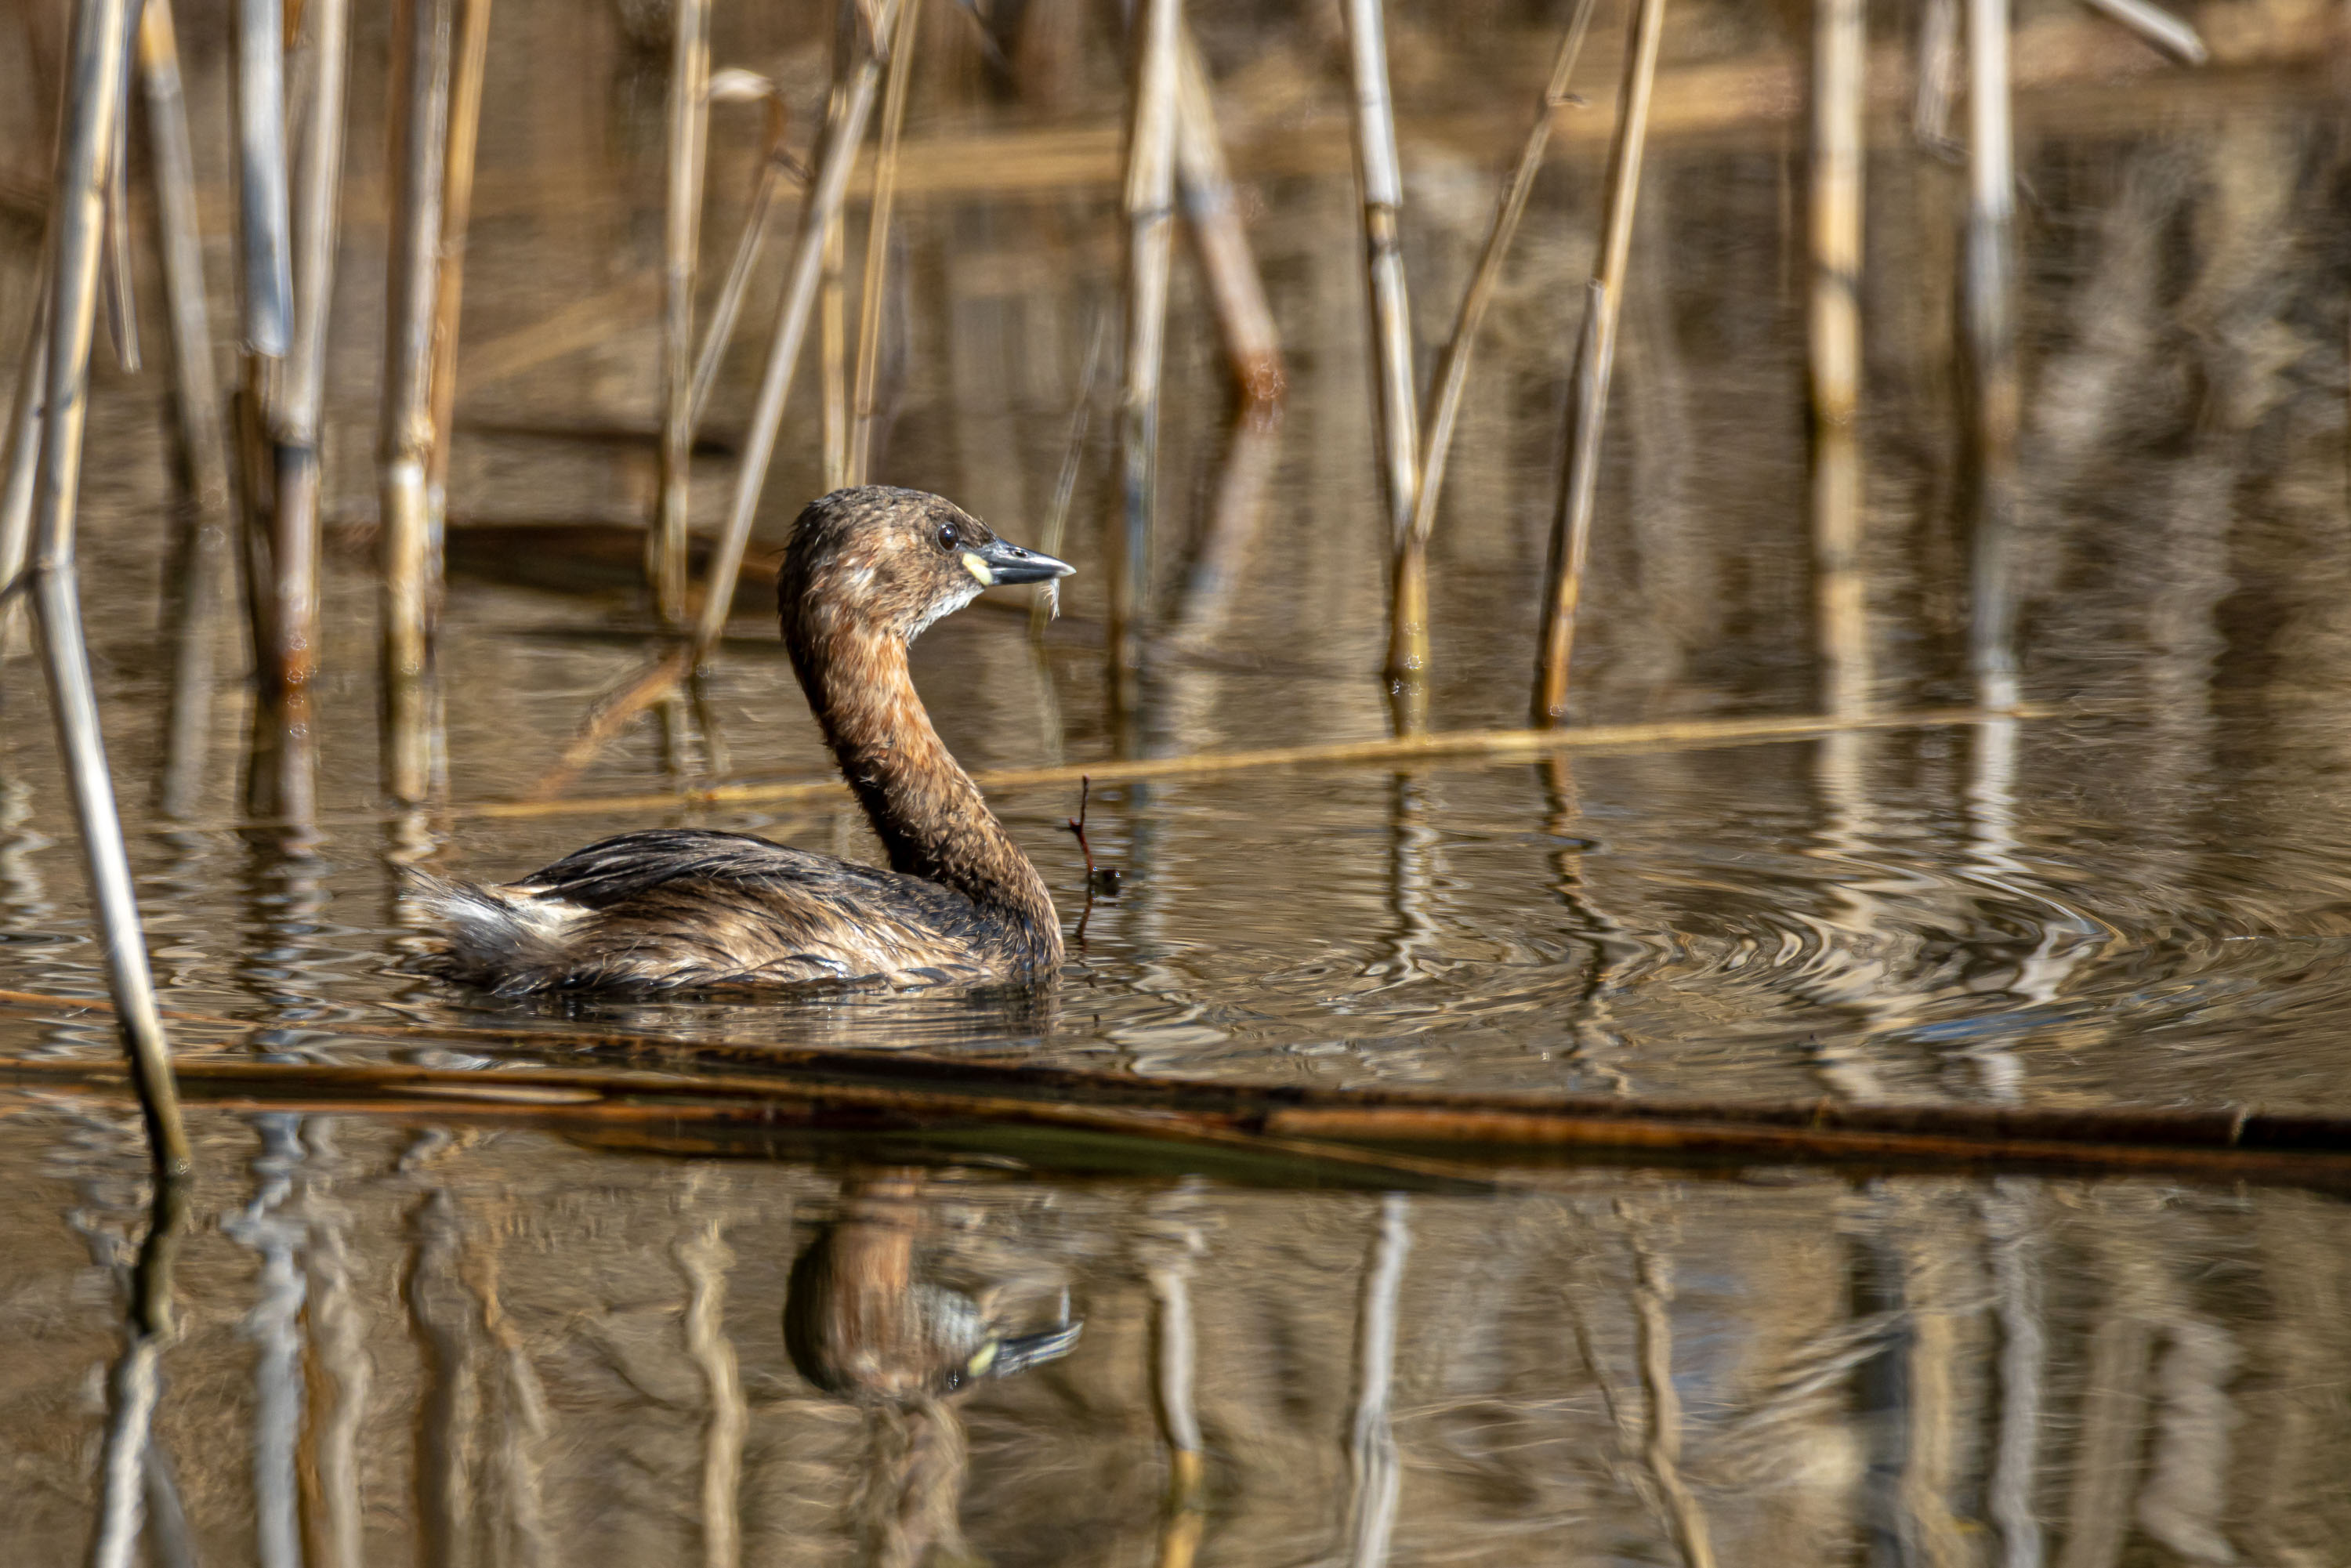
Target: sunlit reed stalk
(1595,359)
(96,84)
(1150,245)
(420,113)
(268,267)
(1047,603)
(291,660)
(1379,182)
(2158,27)
(832,355)
(120,274)
(873,293)
(1228,263)
(737,86)
(468,71)
(688,137)
(845,129)
(24,421)
(1833,343)
(1938,75)
(135,1386)
(1988,340)
(1408,605)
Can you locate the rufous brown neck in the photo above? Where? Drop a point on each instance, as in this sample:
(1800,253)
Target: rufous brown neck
(931,818)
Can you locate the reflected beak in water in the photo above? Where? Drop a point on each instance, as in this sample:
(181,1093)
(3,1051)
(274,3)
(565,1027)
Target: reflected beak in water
(1004,1357)
(1000,565)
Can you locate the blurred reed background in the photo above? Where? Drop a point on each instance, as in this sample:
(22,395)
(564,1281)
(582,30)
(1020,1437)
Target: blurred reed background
(1780,552)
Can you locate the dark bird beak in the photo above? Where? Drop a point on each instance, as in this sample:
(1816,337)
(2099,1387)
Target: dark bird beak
(1000,565)
(1011,1355)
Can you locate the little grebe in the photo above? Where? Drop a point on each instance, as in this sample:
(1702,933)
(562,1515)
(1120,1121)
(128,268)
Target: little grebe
(867,570)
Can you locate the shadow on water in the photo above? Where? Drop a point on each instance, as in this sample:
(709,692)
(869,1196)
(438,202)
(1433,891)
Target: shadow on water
(474,1333)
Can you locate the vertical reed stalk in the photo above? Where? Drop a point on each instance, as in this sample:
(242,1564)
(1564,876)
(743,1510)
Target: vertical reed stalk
(1408,607)
(1938,75)
(261,175)
(689,127)
(1150,243)
(1371,1445)
(420,111)
(1595,359)
(1987,291)
(203,460)
(23,461)
(1379,179)
(471,65)
(833,354)
(119,273)
(845,129)
(1244,320)
(94,91)
(871,294)
(1834,344)
(291,659)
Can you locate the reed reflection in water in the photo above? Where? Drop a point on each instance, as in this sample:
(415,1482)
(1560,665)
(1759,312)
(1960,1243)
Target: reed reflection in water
(568,1352)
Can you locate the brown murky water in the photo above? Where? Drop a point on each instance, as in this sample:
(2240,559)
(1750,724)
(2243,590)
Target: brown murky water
(485,1340)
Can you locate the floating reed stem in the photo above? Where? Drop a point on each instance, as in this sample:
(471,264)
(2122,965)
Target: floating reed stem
(1379,180)
(845,121)
(95,89)
(689,131)
(1987,344)
(468,72)
(1408,607)
(737,86)
(419,114)
(1833,346)
(1150,247)
(291,660)
(1595,357)
(871,295)
(1228,263)
(261,175)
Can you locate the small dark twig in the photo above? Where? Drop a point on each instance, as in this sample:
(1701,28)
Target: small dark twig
(1103,882)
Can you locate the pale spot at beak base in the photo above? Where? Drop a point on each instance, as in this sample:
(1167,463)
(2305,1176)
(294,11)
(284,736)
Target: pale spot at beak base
(978,568)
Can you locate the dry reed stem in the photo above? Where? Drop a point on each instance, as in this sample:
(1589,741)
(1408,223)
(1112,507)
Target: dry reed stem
(1833,343)
(1595,359)
(1987,345)
(261,176)
(872,293)
(134,1388)
(1047,602)
(1379,180)
(2159,28)
(118,271)
(1408,606)
(607,718)
(1150,237)
(97,83)
(420,111)
(1228,263)
(203,460)
(1236,520)
(568,331)
(859,74)
(736,86)
(685,167)
(290,660)
(24,421)
(832,355)
(468,71)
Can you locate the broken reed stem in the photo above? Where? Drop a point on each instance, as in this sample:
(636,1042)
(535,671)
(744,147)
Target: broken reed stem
(1379,180)
(1834,344)
(467,73)
(1150,245)
(1228,263)
(95,87)
(832,355)
(845,121)
(420,111)
(1987,343)
(688,139)
(261,176)
(1595,359)
(872,293)
(291,660)
(1408,606)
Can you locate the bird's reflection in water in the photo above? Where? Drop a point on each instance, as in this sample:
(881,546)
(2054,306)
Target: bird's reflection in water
(870,1318)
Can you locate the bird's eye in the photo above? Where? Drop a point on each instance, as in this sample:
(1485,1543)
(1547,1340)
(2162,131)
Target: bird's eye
(950,535)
